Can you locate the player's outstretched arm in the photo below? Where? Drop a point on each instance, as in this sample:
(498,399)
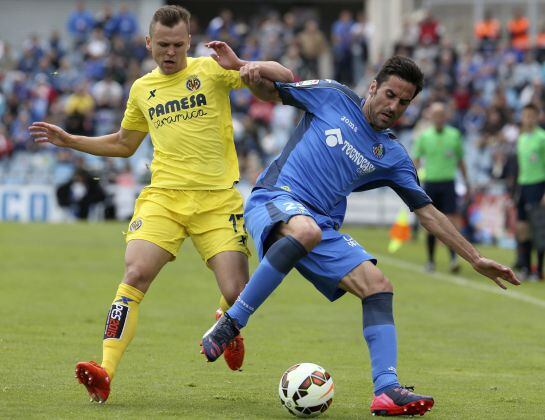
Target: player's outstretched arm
(261,87)
(271,70)
(121,144)
(439,225)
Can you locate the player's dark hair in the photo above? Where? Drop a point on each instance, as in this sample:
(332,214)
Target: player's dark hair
(170,16)
(404,68)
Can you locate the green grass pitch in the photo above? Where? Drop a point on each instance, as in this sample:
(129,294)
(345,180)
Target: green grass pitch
(479,351)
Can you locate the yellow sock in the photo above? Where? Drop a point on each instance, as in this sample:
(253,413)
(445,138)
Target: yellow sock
(120,326)
(223,304)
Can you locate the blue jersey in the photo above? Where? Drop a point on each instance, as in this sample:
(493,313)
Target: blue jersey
(334,151)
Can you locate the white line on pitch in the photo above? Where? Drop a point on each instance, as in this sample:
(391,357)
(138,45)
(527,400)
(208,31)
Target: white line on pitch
(461,281)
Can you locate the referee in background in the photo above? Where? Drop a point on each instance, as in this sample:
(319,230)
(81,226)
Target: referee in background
(441,149)
(531,188)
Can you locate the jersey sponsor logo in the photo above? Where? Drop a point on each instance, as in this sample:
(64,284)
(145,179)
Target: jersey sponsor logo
(349,241)
(294,207)
(378,150)
(307,83)
(176,105)
(286,188)
(193,83)
(334,137)
(179,117)
(349,123)
(135,225)
(115,322)
(250,308)
(152,94)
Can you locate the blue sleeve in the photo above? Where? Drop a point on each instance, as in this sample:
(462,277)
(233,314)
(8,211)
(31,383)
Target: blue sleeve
(312,95)
(404,181)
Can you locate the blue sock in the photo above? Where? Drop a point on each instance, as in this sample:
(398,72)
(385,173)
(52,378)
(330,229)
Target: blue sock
(278,261)
(380,334)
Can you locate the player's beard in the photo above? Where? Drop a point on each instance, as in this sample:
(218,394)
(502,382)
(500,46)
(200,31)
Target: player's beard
(373,118)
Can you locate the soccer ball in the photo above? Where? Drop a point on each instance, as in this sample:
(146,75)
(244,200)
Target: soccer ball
(306,390)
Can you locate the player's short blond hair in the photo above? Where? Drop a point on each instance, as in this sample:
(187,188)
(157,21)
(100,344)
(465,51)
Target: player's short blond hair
(170,16)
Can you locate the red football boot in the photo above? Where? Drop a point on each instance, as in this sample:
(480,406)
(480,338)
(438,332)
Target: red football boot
(234,352)
(96,380)
(401,401)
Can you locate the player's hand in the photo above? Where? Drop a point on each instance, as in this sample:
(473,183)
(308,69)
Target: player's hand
(43,132)
(250,74)
(496,272)
(224,55)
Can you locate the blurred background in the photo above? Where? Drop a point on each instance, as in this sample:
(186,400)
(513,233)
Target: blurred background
(72,63)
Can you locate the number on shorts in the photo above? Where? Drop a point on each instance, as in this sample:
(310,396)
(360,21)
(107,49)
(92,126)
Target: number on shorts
(234,218)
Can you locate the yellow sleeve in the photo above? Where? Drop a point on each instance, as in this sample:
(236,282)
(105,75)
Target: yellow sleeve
(230,78)
(133,118)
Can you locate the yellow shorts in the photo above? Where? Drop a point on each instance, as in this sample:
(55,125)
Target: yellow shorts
(214,219)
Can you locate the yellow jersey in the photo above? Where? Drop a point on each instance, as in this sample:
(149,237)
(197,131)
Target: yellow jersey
(188,116)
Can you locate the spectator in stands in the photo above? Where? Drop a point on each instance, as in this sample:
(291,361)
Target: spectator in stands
(79,194)
(108,97)
(98,45)
(488,32)
(107,93)
(106,20)
(28,63)
(361,33)
(18,132)
(7,60)
(292,60)
(540,44)
(80,23)
(79,109)
(223,28)
(6,146)
(126,24)
(518,29)
(56,48)
(341,45)
(270,37)
(441,148)
(289,28)
(430,30)
(526,72)
(313,45)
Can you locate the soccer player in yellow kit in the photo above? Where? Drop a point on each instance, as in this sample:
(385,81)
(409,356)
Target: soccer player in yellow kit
(184,105)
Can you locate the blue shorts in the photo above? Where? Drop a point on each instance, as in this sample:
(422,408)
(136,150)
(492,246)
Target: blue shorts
(332,259)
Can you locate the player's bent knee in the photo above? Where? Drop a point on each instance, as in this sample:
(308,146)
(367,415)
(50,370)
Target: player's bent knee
(138,277)
(231,294)
(366,280)
(383,285)
(305,230)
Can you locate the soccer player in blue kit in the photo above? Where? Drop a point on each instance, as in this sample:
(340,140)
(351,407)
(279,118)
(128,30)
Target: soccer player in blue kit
(342,144)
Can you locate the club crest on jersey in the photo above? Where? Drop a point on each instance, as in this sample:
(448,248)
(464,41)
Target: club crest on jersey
(135,225)
(193,83)
(378,150)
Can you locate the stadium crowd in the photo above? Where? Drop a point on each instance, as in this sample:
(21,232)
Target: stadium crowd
(80,83)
